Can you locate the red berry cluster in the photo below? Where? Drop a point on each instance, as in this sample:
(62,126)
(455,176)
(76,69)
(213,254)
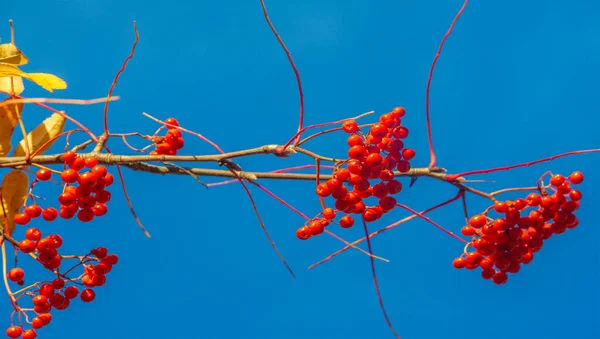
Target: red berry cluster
(171,142)
(502,244)
(369,172)
(56,294)
(87,199)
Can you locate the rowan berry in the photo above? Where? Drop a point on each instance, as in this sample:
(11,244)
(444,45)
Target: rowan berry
(172,122)
(91,162)
(346,221)
(16,274)
(357,152)
(22,219)
(342,174)
(374,160)
(394,187)
(87,295)
(14,332)
(27,246)
(557,180)
(33,211)
(387,203)
(87,179)
(477,221)
(468,231)
(77,164)
(350,126)
(500,207)
(576,178)
(403,166)
(85,215)
(37,323)
(29,334)
(68,156)
(303,233)
(400,132)
(103,196)
(109,179)
(459,262)
(43,174)
(99,210)
(408,154)
(45,317)
(378,131)
(355,140)
(316,228)
(487,273)
(66,198)
(398,112)
(99,171)
(500,278)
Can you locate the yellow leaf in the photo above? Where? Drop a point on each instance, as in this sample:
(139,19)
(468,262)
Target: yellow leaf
(49,82)
(15,186)
(12,85)
(9,117)
(10,54)
(47,130)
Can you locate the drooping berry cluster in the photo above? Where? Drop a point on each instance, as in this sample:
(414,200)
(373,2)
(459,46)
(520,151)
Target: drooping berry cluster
(369,172)
(502,244)
(171,142)
(59,292)
(85,194)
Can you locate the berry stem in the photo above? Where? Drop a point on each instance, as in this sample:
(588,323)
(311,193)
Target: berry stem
(389,227)
(296,72)
(387,319)
(432,157)
(420,215)
(114,83)
(454,177)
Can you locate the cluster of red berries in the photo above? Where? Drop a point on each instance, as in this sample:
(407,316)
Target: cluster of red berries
(503,244)
(171,142)
(56,294)
(369,172)
(88,199)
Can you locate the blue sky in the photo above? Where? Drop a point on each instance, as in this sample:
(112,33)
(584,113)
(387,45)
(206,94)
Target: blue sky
(516,82)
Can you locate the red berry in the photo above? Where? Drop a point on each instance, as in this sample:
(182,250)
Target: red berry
(316,228)
(172,121)
(71,292)
(500,207)
(14,332)
(99,210)
(88,295)
(575,195)
(350,126)
(323,190)
(33,234)
(478,221)
(22,219)
(378,131)
(87,179)
(69,176)
(468,231)
(459,263)
(329,214)
(500,278)
(109,179)
(49,214)
(68,156)
(43,174)
(398,112)
(346,221)
(303,233)
(557,180)
(29,334)
(77,164)
(66,198)
(27,246)
(85,215)
(91,162)
(408,154)
(576,178)
(103,196)
(16,274)
(403,166)
(33,211)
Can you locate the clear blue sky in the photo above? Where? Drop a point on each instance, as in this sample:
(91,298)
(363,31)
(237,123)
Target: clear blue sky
(517,81)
